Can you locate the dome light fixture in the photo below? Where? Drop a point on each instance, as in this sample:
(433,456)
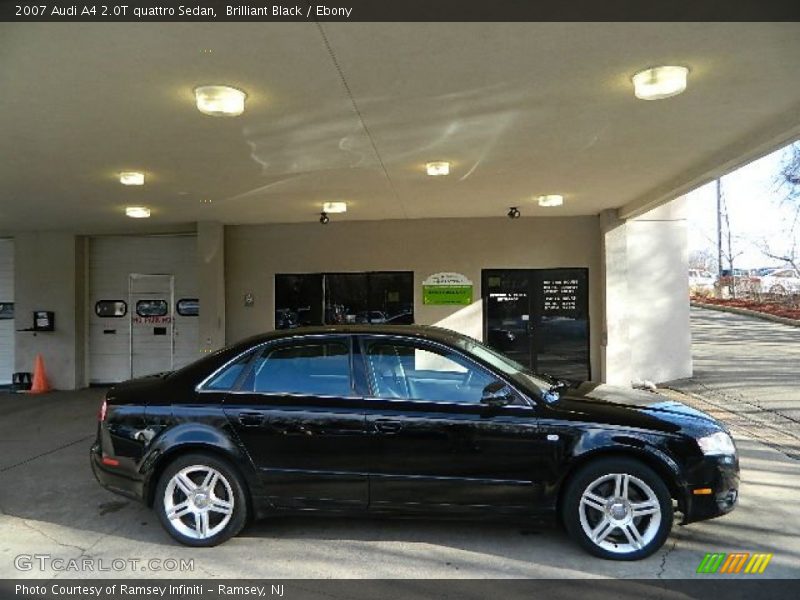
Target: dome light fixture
(137,212)
(550,200)
(513,213)
(658,83)
(131,178)
(219,100)
(334,207)
(324,219)
(438,168)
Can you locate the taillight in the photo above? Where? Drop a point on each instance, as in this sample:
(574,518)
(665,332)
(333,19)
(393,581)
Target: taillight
(101,414)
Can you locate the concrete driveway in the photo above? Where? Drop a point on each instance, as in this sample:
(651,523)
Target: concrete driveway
(51,505)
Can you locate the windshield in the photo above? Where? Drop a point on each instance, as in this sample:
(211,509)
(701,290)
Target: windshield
(515,371)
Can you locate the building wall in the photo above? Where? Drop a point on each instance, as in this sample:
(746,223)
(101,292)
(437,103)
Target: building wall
(6,325)
(45,278)
(254,253)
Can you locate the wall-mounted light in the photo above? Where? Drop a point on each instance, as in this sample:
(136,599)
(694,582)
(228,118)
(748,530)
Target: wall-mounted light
(660,82)
(550,200)
(438,168)
(219,100)
(334,207)
(324,219)
(137,212)
(513,213)
(131,178)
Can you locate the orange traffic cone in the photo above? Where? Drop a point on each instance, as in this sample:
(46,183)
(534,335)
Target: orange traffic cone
(40,384)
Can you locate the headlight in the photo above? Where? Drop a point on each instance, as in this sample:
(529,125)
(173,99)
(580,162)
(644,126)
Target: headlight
(717,444)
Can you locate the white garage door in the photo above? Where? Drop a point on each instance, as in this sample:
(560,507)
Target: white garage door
(6,310)
(157,273)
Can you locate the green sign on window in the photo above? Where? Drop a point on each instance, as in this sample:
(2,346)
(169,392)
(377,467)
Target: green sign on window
(447,288)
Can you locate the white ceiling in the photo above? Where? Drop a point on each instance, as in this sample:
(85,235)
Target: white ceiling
(519,109)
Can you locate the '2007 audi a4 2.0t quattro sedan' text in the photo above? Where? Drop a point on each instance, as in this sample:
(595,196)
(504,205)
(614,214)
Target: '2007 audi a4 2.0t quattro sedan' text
(407,420)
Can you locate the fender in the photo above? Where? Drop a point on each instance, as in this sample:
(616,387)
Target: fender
(187,437)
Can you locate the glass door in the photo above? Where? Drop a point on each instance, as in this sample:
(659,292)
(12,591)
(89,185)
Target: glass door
(540,318)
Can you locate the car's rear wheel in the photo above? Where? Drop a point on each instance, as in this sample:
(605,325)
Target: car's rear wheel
(200,500)
(618,508)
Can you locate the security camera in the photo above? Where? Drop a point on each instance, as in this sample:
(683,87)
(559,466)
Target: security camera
(513,213)
(324,219)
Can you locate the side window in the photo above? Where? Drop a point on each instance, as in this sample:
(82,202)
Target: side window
(188,307)
(421,372)
(312,369)
(227,377)
(152,308)
(111,308)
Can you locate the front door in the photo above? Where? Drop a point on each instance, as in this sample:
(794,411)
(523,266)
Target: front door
(539,318)
(302,423)
(434,446)
(152,323)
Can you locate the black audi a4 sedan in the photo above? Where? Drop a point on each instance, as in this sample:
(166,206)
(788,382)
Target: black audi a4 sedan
(407,420)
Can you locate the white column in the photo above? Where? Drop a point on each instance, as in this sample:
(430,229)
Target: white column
(211,279)
(615,349)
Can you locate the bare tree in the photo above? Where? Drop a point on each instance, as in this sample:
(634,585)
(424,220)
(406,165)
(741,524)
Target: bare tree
(785,247)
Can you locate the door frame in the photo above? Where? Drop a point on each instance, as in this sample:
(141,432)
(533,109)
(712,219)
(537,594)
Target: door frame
(132,314)
(533,296)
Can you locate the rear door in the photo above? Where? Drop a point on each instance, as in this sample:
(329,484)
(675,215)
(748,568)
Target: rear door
(297,413)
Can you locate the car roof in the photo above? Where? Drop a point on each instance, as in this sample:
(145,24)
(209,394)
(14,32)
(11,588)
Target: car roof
(430,332)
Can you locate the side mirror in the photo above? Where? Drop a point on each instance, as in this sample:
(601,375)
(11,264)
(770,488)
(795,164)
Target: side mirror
(497,393)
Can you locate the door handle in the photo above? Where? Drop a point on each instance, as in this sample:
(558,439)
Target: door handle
(388,426)
(251,419)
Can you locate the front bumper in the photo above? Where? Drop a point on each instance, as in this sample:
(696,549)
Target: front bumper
(720,475)
(114,478)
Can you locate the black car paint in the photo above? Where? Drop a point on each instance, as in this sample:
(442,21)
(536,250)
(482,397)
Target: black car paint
(362,454)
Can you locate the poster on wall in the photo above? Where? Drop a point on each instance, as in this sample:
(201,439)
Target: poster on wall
(447,288)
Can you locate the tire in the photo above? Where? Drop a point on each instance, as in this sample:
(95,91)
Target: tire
(617,487)
(206,497)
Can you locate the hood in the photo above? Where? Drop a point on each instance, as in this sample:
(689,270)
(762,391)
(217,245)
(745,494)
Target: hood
(613,405)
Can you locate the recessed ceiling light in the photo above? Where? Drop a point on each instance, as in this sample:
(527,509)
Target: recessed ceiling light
(660,82)
(219,100)
(137,212)
(131,178)
(334,207)
(551,200)
(437,168)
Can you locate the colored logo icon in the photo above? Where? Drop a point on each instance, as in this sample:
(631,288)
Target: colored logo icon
(735,562)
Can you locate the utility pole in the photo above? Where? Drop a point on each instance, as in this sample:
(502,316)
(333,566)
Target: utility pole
(719,227)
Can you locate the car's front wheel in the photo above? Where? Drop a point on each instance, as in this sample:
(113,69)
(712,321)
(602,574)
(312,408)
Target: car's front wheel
(200,500)
(618,508)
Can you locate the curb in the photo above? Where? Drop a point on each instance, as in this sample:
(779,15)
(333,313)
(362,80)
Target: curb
(746,312)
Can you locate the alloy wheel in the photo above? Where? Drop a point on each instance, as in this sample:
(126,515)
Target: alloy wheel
(198,502)
(619,513)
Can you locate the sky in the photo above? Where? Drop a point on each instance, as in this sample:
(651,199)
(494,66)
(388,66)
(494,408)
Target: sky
(756,214)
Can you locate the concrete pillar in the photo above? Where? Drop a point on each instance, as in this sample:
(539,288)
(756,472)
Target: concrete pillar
(646,332)
(211,279)
(615,349)
(47,277)
(658,267)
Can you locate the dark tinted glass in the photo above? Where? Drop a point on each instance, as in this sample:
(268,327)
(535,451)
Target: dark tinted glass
(152,308)
(298,300)
(188,307)
(320,369)
(225,379)
(6,310)
(111,308)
